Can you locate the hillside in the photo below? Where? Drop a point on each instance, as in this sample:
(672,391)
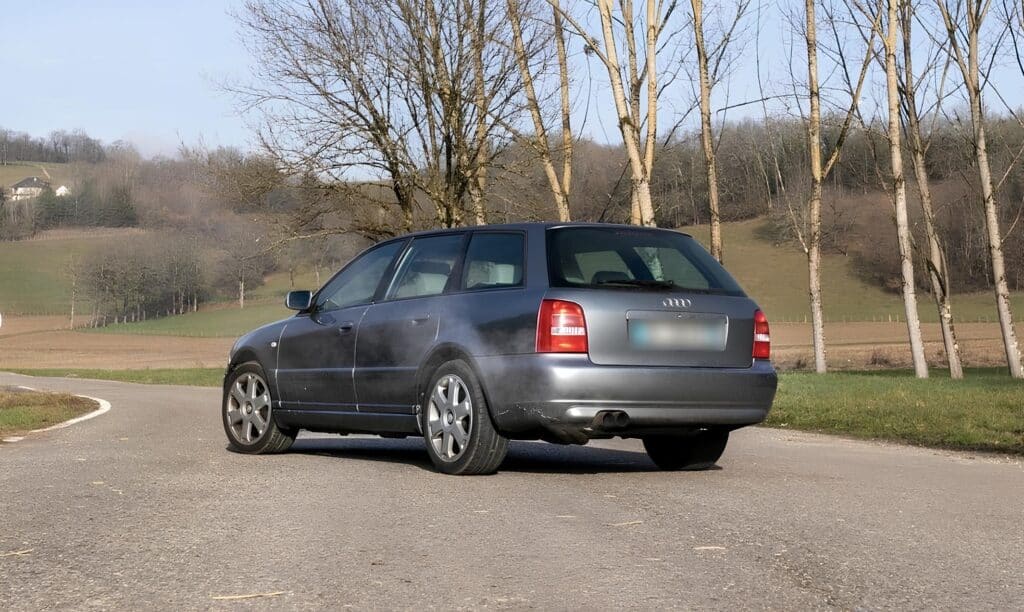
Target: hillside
(32,281)
(57,174)
(33,273)
(776,276)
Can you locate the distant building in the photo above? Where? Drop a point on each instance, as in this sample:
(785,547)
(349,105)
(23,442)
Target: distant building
(31,187)
(62,191)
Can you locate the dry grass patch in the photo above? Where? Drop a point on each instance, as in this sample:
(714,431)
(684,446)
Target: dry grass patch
(22,411)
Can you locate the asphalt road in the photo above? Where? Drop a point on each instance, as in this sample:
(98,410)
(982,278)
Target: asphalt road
(144,508)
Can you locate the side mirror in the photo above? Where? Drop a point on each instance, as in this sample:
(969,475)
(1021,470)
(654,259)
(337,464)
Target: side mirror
(298,300)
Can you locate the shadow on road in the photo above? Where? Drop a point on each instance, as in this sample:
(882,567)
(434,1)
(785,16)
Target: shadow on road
(531,457)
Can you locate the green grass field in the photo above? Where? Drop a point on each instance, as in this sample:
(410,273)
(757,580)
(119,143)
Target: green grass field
(263,305)
(225,320)
(984,412)
(33,274)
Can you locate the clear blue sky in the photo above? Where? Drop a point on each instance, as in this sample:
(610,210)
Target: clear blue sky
(142,70)
(147,71)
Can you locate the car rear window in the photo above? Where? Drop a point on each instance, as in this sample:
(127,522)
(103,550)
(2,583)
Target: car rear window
(617,257)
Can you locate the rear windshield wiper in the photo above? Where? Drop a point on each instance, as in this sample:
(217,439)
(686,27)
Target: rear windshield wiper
(660,284)
(639,282)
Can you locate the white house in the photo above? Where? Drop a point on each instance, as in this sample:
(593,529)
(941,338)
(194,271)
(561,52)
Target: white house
(31,187)
(62,191)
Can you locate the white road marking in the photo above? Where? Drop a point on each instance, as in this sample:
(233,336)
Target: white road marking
(103,409)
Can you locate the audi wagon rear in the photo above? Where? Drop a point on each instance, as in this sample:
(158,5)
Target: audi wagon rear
(472,337)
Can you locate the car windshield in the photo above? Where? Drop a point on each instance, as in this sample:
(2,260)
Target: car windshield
(634,259)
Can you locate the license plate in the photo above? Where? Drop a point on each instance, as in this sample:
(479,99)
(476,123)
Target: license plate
(683,333)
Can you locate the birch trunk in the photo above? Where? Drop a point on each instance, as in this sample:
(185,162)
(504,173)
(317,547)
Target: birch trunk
(995,245)
(564,94)
(478,174)
(74,296)
(559,186)
(900,195)
(642,208)
(938,272)
(976,11)
(814,205)
(706,137)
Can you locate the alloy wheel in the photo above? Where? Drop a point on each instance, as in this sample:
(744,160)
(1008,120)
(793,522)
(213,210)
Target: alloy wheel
(248,408)
(449,417)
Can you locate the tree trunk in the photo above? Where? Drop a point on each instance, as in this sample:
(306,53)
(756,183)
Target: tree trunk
(564,94)
(938,272)
(706,137)
(478,174)
(74,295)
(900,197)
(241,293)
(642,208)
(814,205)
(971,73)
(559,187)
(995,247)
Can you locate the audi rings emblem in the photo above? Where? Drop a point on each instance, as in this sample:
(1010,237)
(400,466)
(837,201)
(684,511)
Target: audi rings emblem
(676,303)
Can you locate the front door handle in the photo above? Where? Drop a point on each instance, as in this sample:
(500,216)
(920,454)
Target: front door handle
(420,319)
(345,327)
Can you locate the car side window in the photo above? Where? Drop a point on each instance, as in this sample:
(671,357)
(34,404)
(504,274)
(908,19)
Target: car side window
(493,260)
(358,282)
(426,267)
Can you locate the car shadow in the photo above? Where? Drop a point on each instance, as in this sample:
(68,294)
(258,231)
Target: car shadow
(527,457)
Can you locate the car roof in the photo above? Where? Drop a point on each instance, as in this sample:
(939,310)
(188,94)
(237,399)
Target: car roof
(523,227)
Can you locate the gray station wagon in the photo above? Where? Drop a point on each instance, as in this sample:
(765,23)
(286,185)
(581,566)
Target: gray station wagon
(474,336)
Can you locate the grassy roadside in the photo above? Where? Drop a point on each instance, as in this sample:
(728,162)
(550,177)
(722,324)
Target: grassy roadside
(200,377)
(22,411)
(985,412)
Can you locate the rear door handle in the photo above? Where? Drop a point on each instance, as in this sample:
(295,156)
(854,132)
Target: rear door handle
(420,319)
(345,327)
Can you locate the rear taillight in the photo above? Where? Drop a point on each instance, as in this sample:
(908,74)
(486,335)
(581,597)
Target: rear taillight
(561,327)
(762,337)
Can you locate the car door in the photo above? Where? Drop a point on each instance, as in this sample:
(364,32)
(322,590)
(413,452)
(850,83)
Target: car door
(397,332)
(317,349)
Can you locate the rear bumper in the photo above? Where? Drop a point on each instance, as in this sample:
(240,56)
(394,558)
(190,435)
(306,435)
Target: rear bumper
(567,394)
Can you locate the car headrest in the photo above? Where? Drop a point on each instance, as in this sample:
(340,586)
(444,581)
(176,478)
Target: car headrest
(431,267)
(605,276)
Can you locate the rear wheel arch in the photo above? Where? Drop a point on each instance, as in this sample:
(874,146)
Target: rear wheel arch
(439,356)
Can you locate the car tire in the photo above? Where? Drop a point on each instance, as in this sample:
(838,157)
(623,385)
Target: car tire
(247,413)
(456,423)
(698,450)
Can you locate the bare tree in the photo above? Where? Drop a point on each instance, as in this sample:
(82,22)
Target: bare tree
(415,93)
(635,89)
(820,169)
(938,271)
(560,186)
(709,63)
(962,32)
(890,39)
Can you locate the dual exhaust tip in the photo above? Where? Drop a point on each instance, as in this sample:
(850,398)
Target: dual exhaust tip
(611,419)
